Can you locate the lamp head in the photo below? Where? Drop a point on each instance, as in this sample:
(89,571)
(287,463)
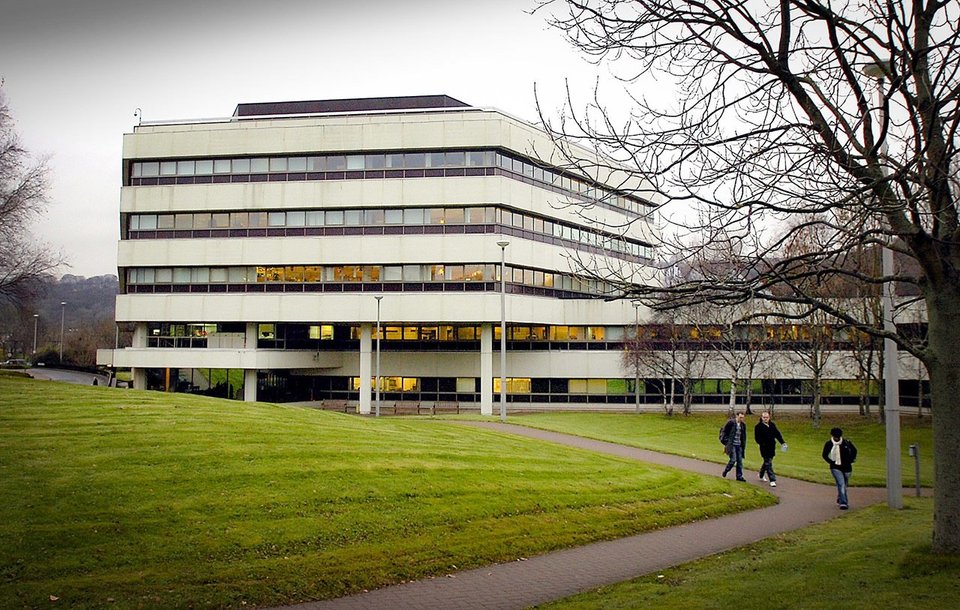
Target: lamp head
(876,70)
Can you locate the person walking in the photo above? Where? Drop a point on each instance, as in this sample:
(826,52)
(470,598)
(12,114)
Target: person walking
(840,453)
(733,435)
(766,435)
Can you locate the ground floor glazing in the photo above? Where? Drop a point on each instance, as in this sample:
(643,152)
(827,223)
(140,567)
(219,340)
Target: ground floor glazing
(293,386)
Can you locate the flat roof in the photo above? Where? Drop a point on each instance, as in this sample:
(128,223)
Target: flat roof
(363,104)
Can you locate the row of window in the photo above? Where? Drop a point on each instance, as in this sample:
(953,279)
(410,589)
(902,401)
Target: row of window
(321,166)
(457,337)
(280,333)
(357,287)
(375,217)
(281,387)
(479,272)
(322,218)
(317,163)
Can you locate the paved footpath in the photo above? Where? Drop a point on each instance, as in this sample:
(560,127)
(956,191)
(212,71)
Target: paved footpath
(537,580)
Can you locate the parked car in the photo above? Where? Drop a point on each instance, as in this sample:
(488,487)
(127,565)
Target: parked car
(15,363)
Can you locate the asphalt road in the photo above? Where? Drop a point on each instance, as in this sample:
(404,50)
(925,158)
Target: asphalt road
(68,376)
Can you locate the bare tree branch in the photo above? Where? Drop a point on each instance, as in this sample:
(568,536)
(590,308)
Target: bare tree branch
(24,263)
(832,126)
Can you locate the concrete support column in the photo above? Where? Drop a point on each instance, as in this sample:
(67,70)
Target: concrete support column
(139,335)
(366,368)
(249,385)
(486,369)
(250,375)
(139,378)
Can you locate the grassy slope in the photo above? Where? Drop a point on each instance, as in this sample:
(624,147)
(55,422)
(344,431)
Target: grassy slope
(140,499)
(696,436)
(873,558)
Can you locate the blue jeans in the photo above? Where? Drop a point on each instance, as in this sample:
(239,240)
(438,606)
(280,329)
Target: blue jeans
(736,459)
(767,469)
(841,478)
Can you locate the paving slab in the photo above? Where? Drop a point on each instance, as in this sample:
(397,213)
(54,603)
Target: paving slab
(537,580)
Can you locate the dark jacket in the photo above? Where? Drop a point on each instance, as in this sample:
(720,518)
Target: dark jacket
(726,436)
(767,436)
(848,455)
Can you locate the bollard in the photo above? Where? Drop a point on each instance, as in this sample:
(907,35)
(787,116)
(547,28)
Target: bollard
(915,454)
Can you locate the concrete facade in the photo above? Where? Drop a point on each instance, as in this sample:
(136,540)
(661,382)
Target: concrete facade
(169,176)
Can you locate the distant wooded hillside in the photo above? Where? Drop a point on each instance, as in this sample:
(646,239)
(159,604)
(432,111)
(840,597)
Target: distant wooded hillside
(88,321)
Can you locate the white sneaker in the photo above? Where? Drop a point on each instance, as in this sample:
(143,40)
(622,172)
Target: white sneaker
(762,477)
(773,483)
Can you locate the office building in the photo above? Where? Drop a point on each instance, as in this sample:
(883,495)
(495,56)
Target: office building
(258,253)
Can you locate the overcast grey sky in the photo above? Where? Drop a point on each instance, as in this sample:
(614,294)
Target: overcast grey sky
(75,71)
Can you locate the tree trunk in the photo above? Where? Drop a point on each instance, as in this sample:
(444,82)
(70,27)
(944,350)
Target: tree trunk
(920,394)
(733,394)
(673,395)
(944,370)
(815,412)
(868,377)
(687,395)
(863,379)
(863,398)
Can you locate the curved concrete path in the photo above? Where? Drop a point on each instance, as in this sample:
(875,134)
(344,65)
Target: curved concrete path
(521,584)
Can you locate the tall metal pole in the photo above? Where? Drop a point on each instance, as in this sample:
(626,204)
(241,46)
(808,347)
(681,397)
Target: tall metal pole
(636,357)
(63,309)
(891,365)
(36,318)
(891,391)
(503,329)
(377,378)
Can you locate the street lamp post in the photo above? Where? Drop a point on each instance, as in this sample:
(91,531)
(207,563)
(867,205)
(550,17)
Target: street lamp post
(503,330)
(63,309)
(891,371)
(636,355)
(377,375)
(36,318)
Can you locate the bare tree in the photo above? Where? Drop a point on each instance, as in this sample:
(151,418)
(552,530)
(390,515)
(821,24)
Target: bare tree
(754,360)
(740,347)
(24,263)
(814,344)
(80,344)
(845,113)
(669,349)
(644,357)
(867,358)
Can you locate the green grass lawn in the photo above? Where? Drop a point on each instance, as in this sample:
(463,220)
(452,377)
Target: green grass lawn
(696,436)
(134,499)
(874,558)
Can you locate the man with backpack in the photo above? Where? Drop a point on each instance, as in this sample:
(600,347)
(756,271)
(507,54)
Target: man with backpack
(733,436)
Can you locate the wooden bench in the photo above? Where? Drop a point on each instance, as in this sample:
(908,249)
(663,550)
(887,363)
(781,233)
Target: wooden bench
(342,406)
(386,406)
(445,407)
(406,407)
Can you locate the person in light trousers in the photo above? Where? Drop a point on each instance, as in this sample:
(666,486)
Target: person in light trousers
(840,453)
